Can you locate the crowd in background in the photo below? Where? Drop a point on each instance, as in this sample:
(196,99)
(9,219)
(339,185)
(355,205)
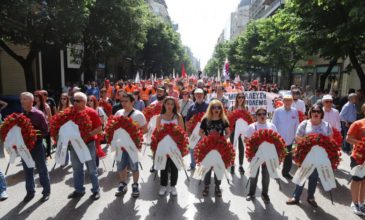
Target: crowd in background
(187,97)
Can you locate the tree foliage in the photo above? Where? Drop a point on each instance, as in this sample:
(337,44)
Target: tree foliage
(333,29)
(39,23)
(106,29)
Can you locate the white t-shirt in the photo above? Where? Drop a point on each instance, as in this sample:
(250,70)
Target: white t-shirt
(299,105)
(252,128)
(137,116)
(332,117)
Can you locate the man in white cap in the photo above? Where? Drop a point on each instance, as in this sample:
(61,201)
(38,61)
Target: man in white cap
(286,120)
(331,115)
(199,106)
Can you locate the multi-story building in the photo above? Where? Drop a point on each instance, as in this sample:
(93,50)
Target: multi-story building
(159,8)
(264,8)
(239,19)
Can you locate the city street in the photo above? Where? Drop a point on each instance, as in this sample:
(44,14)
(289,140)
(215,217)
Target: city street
(189,204)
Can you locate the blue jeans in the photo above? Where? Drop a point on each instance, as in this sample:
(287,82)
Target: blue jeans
(312,184)
(2,182)
(345,145)
(192,163)
(38,155)
(78,168)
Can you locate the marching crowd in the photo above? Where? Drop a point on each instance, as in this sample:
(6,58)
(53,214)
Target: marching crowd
(181,100)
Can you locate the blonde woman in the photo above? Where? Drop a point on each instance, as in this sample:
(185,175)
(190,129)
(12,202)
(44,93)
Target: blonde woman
(214,120)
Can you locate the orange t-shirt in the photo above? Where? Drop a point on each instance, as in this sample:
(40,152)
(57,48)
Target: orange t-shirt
(357,130)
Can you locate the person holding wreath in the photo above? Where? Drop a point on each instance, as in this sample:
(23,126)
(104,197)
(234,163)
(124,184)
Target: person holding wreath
(314,125)
(127,100)
(355,136)
(169,115)
(214,121)
(262,123)
(239,104)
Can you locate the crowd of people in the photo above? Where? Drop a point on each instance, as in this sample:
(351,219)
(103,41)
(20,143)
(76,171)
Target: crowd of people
(181,100)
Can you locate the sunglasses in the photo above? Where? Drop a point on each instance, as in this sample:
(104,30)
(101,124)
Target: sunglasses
(317,111)
(216,108)
(78,100)
(261,114)
(240,97)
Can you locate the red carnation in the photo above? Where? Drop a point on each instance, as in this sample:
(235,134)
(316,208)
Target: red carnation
(116,122)
(328,143)
(215,142)
(237,114)
(268,135)
(80,118)
(191,124)
(152,110)
(176,133)
(28,132)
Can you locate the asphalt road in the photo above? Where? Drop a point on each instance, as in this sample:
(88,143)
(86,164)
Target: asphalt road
(189,204)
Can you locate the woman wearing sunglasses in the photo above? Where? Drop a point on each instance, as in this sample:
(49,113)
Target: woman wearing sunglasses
(261,123)
(314,125)
(214,120)
(239,104)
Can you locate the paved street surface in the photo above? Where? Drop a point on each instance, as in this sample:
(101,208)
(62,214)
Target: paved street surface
(189,204)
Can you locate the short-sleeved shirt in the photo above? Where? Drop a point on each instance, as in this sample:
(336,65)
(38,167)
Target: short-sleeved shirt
(213,125)
(252,128)
(357,129)
(95,122)
(306,128)
(137,116)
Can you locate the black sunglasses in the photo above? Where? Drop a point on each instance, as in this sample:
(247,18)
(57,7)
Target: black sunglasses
(261,114)
(317,111)
(216,108)
(240,97)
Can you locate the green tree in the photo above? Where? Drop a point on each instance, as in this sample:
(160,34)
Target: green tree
(115,28)
(335,28)
(219,56)
(163,50)
(268,44)
(37,24)
(245,51)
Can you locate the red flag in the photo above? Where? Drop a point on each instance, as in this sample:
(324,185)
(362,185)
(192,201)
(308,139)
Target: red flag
(183,72)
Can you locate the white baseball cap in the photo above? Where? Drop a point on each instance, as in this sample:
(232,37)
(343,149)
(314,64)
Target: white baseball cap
(288,96)
(327,97)
(198,91)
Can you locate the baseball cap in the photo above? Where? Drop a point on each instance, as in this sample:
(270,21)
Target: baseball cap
(327,97)
(287,96)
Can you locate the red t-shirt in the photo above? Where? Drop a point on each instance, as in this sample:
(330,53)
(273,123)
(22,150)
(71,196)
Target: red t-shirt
(95,119)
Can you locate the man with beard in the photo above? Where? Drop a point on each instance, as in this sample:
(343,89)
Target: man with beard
(298,104)
(160,95)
